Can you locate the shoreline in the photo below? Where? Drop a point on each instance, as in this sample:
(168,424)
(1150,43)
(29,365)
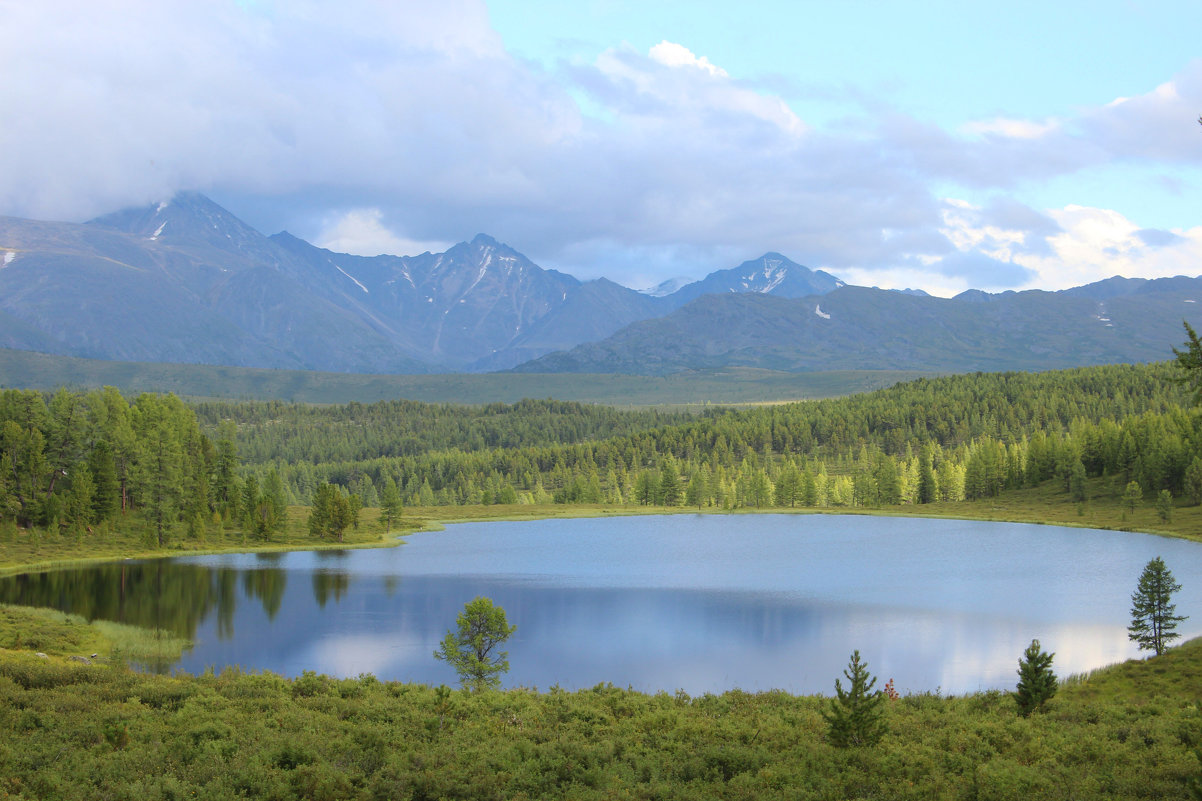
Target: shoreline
(429,519)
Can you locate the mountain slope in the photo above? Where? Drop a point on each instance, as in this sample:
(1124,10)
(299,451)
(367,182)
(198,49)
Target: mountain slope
(182,281)
(186,281)
(862,328)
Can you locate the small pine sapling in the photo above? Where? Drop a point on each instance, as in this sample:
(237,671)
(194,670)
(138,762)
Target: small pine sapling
(856,716)
(1036,681)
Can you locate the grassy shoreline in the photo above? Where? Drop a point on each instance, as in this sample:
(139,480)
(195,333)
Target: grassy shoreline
(82,731)
(26,551)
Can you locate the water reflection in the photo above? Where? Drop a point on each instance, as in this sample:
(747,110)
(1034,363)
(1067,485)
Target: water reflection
(327,585)
(696,603)
(172,595)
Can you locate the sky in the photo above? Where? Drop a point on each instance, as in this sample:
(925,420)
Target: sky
(938,145)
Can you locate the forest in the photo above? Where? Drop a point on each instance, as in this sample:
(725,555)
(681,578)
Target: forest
(75,463)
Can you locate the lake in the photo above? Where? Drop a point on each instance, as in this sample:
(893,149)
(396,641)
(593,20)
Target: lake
(702,603)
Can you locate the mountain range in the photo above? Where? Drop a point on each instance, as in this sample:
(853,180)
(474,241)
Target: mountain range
(185,281)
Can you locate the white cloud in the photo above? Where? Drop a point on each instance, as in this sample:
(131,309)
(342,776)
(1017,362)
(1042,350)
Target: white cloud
(1084,245)
(672,85)
(1014,129)
(360,121)
(671,54)
(362,232)
(1100,243)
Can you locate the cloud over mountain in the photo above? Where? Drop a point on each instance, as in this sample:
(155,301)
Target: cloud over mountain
(411,124)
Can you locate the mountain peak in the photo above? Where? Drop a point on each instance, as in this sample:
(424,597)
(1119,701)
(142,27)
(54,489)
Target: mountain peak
(770,274)
(186,217)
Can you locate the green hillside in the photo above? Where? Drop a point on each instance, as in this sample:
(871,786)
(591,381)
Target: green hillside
(20,369)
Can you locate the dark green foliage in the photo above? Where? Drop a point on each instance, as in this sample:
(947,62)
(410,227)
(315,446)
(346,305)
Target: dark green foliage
(390,504)
(856,715)
(1076,481)
(1164,505)
(1153,621)
(926,476)
(83,459)
(1190,361)
(973,436)
(669,483)
(106,498)
(471,648)
(1132,495)
(1036,681)
(332,513)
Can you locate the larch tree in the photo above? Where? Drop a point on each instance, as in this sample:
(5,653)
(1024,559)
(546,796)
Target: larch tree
(472,648)
(1153,621)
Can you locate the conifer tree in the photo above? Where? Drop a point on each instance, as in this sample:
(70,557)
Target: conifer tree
(856,716)
(1132,495)
(106,499)
(669,483)
(331,513)
(1164,505)
(390,503)
(1152,618)
(926,476)
(694,494)
(1036,681)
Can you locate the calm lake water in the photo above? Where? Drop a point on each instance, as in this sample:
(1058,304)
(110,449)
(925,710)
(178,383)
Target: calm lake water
(702,603)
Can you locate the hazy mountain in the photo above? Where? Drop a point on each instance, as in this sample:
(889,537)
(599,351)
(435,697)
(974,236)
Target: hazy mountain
(665,288)
(480,305)
(186,281)
(862,328)
(770,274)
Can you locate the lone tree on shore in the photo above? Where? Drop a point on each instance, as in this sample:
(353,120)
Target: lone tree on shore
(481,627)
(1152,618)
(856,717)
(1036,681)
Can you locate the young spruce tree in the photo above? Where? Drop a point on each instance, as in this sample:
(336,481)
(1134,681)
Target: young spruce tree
(856,716)
(1036,681)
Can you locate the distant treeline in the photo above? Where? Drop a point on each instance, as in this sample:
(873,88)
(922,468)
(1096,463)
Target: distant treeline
(952,438)
(74,460)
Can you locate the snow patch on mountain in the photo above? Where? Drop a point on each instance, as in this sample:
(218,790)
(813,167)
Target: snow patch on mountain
(665,288)
(774,277)
(818,310)
(353,278)
(8,258)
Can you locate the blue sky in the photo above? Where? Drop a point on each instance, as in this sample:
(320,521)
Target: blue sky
(938,145)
